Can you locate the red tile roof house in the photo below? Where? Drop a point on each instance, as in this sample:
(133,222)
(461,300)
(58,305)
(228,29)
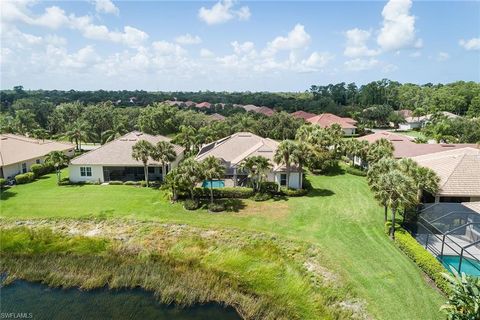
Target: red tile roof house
(201,105)
(265,111)
(325,120)
(302,115)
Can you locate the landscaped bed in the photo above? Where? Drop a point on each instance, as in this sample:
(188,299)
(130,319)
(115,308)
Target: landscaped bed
(338,218)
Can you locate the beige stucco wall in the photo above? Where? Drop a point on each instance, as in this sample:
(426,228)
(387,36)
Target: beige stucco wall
(348,131)
(74,173)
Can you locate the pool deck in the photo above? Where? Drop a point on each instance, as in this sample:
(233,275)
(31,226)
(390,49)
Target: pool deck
(453,246)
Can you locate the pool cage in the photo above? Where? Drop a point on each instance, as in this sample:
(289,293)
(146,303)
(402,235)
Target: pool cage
(450,231)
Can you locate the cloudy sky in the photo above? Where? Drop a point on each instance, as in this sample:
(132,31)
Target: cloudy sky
(235,45)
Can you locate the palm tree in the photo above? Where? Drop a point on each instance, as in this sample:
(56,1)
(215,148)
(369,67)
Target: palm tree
(114,133)
(187,137)
(40,133)
(79,131)
(376,170)
(379,149)
(257,167)
(399,191)
(300,156)
(191,173)
(142,151)
(58,160)
(283,155)
(212,169)
(164,153)
(174,181)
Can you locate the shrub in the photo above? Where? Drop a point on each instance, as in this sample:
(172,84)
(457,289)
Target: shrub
(294,192)
(24,178)
(143,183)
(41,169)
(132,183)
(269,187)
(115,182)
(355,171)
(190,204)
(216,207)
(228,192)
(262,196)
(3,182)
(427,262)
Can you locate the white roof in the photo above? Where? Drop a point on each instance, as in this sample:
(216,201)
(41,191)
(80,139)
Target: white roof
(459,171)
(119,151)
(16,148)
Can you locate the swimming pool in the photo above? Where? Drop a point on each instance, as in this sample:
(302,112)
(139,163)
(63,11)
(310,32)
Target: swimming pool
(214,184)
(469,266)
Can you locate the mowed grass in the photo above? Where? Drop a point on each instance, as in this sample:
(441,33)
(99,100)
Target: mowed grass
(339,216)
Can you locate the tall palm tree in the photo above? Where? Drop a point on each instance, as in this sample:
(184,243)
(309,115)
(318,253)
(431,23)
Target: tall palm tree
(283,155)
(191,173)
(379,149)
(257,168)
(40,133)
(300,156)
(425,179)
(174,181)
(114,133)
(212,169)
(142,151)
(374,173)
(79,131)
(58,160)
(164,153)
(399,191)
(187,137)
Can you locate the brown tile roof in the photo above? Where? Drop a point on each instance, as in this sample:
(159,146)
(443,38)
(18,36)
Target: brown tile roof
(16,148)
(265,110)
(239,146)
(302,114)
(203,105)
(250,107)
(327,119)
(350,120)
(459,171)
(217,116)
(473,205)
(119,151)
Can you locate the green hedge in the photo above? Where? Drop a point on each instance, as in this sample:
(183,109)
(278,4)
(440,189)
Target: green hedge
(41,169)
(132,183)
(424,259)
(114,182)
(227,192)
(294,192)
(24,178)
(269,187)
(190,204)
(355,171)
(3,182)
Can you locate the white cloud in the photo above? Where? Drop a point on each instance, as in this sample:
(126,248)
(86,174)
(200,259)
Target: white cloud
(398,30)
(297,38)
(442,56)
(361,64)
(53,17)
(243,48)
(357,44)
(316,61)
(106,6)
(205,53)
(471,44)
(223,11)
(164,48)
(187,39)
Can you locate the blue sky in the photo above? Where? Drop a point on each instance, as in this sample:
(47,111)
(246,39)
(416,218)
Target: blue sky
(235,45)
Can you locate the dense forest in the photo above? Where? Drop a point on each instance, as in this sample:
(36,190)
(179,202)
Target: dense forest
(99,116)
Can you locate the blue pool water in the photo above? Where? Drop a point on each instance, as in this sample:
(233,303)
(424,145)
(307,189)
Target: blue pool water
(469,266)
(214,183)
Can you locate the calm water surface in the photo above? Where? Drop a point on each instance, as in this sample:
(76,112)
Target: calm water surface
(41,302)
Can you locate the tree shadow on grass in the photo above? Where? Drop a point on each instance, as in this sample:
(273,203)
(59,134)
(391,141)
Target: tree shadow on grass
(231,205)
(279,197)
(320,193)
(6,194)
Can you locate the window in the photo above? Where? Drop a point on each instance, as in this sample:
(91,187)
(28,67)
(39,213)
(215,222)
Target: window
(151,170)
(85,171)
(283,179)
(37,161)
(24,167)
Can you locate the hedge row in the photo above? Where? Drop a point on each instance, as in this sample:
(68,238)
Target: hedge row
(426,261)
(355,171)
(24,178)
(41,169)
(3,182)
(227,192)
(294,192)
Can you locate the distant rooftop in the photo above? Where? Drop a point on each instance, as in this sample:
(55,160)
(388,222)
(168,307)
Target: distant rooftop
(325,120)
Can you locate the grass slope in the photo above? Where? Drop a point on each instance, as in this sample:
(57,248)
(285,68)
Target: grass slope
(339,216)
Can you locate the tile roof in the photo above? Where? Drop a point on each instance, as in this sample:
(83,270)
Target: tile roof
(405,147)
(235,148)
(217,116)
(473,205)
(302,114)
(265,110)
(428,116)
(250,107)
(327,119)
(459,171)
(203,105)
(119,151)
(16,148)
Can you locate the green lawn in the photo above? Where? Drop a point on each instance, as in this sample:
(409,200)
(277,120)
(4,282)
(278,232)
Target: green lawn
(339,216)
(413,134)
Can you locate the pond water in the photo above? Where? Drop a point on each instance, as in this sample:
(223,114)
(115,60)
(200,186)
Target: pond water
(36,301)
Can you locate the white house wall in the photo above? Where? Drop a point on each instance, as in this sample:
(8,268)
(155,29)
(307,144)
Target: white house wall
(74,173)
(348,131)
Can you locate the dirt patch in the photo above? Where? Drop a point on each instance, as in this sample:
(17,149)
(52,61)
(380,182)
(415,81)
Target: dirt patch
(273,210)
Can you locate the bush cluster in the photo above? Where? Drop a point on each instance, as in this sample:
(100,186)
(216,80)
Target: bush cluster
(262,196)
(427,262)
(269,187)
(3,182)
(24,178)
(294,192)
(216,207)
(132,183)
(227,192)
(356,171)
(190,204)
(115,183)
(41,169)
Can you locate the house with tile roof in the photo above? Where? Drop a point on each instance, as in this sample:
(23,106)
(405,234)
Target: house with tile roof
(114,161)
(233,149)
(265,111)
(250,107)
(217,117)
(302,115)
(18,153)
(203,105)
(419,122)
(325,120)
(459,172)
